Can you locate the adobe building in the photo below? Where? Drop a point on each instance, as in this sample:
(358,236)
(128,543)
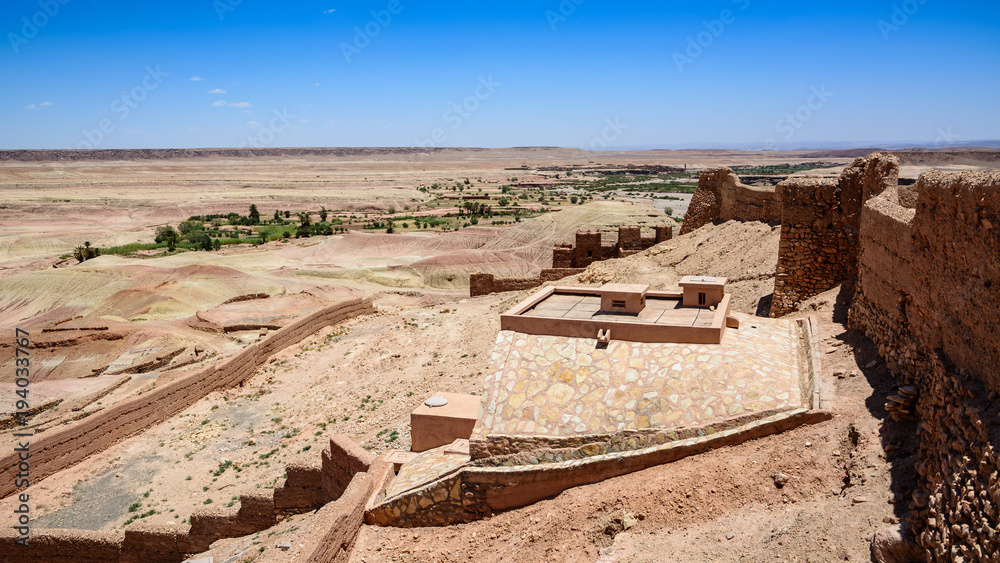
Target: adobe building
(590,383)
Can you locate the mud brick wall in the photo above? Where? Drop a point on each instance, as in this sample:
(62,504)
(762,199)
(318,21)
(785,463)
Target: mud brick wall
(630,238)
(926,297)
(341,462)
(61,448)
(562,256)
(302,491)
(57,546)
(721,196)
(334,531)
(588,249)
(820,221)
(485,284)
(331,539)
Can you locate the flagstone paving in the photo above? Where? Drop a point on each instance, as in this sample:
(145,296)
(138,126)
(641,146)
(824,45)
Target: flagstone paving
(425,468)
(559,386)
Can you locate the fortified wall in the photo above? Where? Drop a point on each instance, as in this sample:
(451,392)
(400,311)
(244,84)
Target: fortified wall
(926,258)
(721,196)
(572,259)
(820,219)
(56,450)
(926,296)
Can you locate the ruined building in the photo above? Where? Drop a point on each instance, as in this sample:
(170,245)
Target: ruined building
(571,259)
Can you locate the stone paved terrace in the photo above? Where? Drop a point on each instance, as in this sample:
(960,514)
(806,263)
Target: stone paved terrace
(562,387)
(563,411)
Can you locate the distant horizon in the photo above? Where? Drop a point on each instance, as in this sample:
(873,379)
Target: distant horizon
(585,74)
(842,146)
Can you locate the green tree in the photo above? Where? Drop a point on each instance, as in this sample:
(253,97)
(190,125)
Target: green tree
(277,215)
(168,235)
(86,252)
(186,227)
(205,242)
(323,213)
(254,215)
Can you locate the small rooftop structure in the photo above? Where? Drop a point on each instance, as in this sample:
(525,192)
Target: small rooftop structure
(702,291)
(626,312)
(623,298)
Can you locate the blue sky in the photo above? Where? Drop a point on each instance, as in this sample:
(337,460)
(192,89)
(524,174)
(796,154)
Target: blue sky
(575,73)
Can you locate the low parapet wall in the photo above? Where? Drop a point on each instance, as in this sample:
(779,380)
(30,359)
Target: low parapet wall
(332,533)
(58,449)
(471,492)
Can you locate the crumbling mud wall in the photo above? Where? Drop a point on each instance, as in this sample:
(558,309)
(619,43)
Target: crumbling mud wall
(485,284)
(926,296)
(56,450)
(722,197)
(331,538)
(820,219)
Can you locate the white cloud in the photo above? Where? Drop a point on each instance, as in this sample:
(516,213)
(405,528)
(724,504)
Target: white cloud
(220,103)
(253,124)
(217,91)
(329,11)
(241,105)
(42,105)
(196,79)
(317,83)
